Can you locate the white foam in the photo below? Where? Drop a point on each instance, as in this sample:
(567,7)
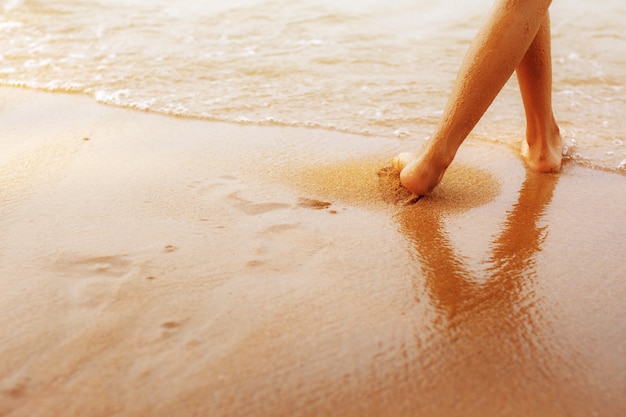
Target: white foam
(402,133)
(319,64)
(10,25)
(569,147)
(112,98)
(10,5)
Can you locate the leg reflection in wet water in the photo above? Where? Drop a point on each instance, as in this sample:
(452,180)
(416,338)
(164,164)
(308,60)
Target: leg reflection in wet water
(489,350)
(510,266)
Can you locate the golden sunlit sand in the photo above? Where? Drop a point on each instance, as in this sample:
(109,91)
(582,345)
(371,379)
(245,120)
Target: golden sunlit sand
(155,266)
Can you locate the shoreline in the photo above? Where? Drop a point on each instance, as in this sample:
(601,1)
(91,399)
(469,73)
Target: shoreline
(155,265)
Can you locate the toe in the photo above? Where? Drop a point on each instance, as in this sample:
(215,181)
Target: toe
(401,160)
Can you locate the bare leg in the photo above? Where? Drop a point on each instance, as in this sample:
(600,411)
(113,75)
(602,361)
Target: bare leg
(495,53)
(542,149)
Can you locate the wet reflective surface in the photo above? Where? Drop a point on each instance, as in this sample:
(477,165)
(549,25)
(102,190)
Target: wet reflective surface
(491,349)
(154,270)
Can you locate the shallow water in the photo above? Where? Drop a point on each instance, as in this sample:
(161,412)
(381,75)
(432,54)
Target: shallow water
(364,67)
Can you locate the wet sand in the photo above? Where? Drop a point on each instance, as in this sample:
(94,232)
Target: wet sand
(153,266)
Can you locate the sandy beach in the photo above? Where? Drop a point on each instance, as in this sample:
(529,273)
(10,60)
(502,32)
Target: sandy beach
(160,266)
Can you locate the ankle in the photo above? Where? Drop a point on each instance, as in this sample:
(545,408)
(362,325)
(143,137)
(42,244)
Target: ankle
(542,149)
(542,136)
(438,155)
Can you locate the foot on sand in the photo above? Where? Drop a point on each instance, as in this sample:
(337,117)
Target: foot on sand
(419,173)
(543,154)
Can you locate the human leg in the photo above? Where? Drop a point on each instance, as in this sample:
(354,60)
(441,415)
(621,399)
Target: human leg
(542,149)
(493,56)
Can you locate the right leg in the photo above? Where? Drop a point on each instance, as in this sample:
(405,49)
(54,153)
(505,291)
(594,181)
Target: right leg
(495,53)
(542,149)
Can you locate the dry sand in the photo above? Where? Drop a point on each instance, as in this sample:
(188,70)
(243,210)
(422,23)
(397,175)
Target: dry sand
(153,266)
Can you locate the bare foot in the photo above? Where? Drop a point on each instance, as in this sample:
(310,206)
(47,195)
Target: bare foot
(420,173)
(544,155)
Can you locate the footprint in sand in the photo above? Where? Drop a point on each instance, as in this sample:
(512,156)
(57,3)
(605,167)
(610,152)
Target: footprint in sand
(252,208)
(228,189)
(313,204)
(279,248)
(95,281)
(218,184)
